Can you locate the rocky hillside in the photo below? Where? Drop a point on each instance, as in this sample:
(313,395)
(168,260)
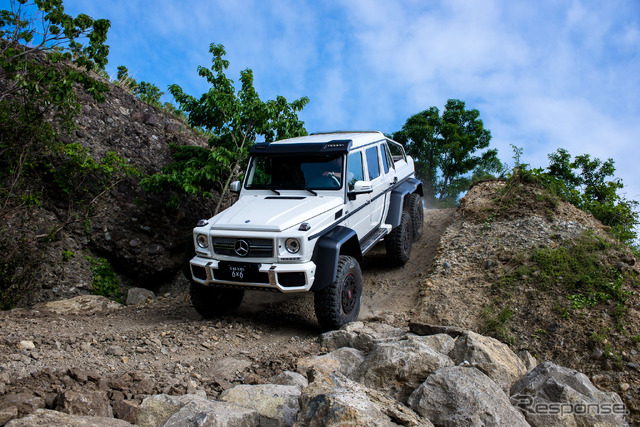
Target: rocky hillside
(544,277)
(133,231)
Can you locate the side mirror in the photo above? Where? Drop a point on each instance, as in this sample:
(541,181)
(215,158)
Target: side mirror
(235,187)
(360,187)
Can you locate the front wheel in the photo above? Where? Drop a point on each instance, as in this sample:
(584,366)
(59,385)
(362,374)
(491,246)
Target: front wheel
(339,303)
(211,302)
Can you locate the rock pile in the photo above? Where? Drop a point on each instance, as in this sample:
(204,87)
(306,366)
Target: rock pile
(371,374)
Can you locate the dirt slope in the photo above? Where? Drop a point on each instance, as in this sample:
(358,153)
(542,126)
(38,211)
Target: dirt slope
(165,346)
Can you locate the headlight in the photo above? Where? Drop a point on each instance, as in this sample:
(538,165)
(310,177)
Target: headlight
(292,245)
(203,241)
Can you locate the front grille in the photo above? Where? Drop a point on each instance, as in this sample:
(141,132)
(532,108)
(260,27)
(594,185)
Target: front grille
(258,248)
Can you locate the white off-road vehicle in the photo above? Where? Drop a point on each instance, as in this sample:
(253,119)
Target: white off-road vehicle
(308,210)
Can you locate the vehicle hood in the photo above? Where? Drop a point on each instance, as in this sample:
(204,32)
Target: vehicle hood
(261,213)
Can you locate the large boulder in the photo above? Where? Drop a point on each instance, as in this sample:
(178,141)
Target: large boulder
(92,403)
(344,360)
(47,418)
(290,378)
(399,367)
(490,356)
(200,412)
(360,335)
(465,397)
(190,409)
(552,395)
(333,399)
(277,404)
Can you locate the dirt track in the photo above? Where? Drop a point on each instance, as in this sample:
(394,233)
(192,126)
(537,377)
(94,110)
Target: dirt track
(165,346)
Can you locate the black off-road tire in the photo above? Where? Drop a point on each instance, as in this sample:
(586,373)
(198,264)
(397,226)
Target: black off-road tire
(339,303)
(398,242)
(211,302)
(416,211)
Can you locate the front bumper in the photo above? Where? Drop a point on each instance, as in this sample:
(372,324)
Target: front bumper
(279,277)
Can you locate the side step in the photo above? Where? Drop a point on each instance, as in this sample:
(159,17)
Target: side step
(374,238)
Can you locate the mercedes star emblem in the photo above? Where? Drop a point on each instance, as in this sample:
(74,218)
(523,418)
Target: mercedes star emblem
(242,247)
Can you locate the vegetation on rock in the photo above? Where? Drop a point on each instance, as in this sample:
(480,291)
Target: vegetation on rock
(233,121)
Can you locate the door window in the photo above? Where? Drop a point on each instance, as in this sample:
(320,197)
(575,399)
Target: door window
(372,163)
(354,172)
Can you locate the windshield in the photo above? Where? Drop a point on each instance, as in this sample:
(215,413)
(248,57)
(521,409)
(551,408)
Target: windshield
(296,171)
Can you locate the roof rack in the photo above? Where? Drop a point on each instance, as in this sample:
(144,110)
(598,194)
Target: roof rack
(345,131)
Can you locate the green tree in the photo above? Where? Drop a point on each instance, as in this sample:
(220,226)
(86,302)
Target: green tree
(589,184)
(146,92)
(233,120)
(444,148)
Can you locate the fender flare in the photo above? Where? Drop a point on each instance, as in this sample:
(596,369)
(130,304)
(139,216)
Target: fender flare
(327,252)
(408,186)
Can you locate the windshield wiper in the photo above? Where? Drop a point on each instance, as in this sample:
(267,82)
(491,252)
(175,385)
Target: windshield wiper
(272,189)
(302,187)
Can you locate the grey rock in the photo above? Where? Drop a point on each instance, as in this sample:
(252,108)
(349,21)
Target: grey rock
(115,350)
(491,356)
(399,367)
(527,358)
(552,395)
(290,378)
(344,360)
(8,414)
(139,295)
(24,402)
(426,329)
(156,409)
(361,336)
(91,403)
(277,404)
(82,305)
(464,396)
(226,369)
(126,410)
(331,399)
(199,411)
(48,418)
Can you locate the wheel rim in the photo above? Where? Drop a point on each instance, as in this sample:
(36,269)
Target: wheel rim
(349,294)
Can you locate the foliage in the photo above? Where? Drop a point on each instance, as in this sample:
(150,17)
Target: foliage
(233,120)
(496,320)
(588,184)
(583,272)
(444,147)
(146,92)
(105,282)
(44,55)
(55,59)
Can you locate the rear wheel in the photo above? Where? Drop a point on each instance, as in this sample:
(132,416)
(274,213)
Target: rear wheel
(416,211)
(211,302)
(398,242)
(339,303)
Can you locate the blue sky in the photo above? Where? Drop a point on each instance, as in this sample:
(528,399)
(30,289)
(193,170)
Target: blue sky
(543,74)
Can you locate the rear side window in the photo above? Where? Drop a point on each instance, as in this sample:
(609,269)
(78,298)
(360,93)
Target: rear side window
(387,163)
(372,163)
(354,172)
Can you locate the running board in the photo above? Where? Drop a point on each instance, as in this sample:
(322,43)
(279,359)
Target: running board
(373,239)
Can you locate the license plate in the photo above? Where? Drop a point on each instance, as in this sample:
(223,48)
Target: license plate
(237,272)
